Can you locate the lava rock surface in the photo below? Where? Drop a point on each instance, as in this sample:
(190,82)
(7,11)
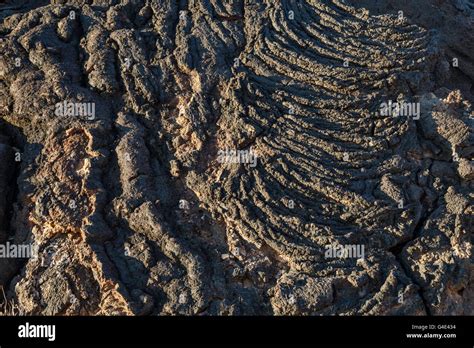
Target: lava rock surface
(132,208)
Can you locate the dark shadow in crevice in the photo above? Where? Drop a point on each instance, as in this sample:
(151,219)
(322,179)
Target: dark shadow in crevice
(12,147)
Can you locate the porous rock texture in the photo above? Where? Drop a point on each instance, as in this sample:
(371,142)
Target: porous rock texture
(134,214)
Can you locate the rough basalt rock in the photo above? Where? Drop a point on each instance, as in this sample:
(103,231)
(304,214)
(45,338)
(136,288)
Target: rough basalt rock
(135,213)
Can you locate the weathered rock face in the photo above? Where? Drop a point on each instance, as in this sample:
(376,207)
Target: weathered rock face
(205,157)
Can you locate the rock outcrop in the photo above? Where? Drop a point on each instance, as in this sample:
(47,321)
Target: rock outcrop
(203,157)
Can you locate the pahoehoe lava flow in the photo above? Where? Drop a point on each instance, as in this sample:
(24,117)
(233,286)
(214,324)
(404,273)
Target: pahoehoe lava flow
(238,157)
